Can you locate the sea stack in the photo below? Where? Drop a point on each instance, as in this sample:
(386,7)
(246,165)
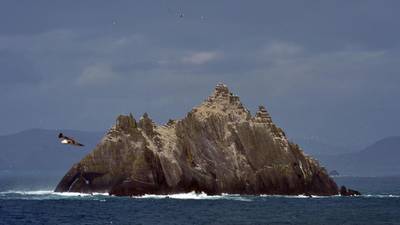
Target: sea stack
(219,147)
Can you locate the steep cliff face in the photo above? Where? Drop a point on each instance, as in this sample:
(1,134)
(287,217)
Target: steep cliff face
(219,147)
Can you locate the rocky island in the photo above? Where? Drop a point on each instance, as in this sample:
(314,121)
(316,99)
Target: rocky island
(219,147)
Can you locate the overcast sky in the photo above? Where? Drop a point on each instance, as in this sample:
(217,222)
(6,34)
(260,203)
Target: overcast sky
(324,69)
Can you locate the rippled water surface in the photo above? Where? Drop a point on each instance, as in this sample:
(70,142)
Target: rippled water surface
(379,205)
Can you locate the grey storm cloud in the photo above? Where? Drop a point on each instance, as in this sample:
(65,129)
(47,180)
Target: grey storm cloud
(326,69)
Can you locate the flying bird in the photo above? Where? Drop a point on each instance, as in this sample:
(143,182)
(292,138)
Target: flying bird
(68,141)
(177,13)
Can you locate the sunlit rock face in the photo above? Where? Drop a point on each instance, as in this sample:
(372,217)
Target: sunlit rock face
(219,147)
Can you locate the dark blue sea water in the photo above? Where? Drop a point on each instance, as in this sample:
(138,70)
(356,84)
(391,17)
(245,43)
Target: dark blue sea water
(379,205)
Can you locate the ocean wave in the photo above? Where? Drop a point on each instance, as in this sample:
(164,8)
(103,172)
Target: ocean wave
(335,196)
(298,196)
(197,196)
(380,196)
(47,195)
(50,194)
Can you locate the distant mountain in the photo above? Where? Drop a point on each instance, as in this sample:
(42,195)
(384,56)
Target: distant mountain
(40,150)
(318,147)
(379,159)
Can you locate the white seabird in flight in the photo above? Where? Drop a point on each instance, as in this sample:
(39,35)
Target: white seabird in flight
(68,141)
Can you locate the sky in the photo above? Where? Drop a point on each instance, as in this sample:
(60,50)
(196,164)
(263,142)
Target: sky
(325,70)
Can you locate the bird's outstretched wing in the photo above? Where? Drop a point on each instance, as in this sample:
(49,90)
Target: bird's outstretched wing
(73,142)
(68,140)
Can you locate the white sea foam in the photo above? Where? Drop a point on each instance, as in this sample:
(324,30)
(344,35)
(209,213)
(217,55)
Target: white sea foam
(197,196)
(297,196)
(332,196)
(50,194)
(381,196)
(38,192)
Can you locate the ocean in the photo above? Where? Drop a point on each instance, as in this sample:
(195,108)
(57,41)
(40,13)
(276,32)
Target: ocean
(380,204)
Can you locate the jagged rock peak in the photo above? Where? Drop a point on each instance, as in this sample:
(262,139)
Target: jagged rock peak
(262,115)
(126,123)
(147,125)
(221,89)
(222,94)
(222,101)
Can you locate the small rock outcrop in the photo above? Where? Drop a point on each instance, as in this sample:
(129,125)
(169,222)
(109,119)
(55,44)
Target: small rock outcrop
(219,147)
(348,192)
(334,173)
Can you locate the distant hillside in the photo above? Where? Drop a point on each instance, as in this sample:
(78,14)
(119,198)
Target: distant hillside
(318,147)
(40,150)
(378,159)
